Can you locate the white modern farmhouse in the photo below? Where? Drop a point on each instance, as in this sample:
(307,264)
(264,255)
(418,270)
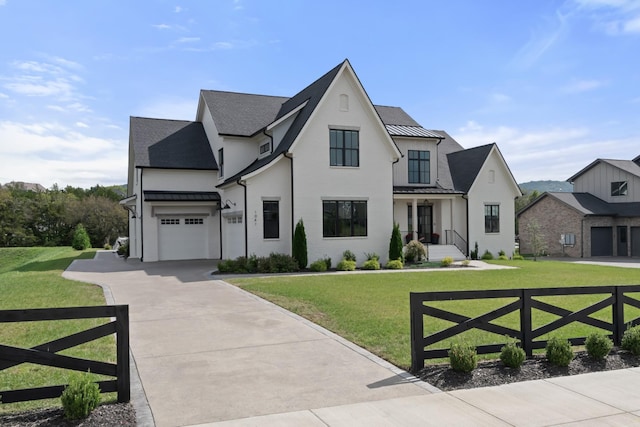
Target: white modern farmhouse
(235,181)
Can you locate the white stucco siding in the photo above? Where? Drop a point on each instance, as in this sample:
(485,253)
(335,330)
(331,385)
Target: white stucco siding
(493,186)
(315,180)
(598,179)
(273,184)
(187,238)
(401,169)
(233,222)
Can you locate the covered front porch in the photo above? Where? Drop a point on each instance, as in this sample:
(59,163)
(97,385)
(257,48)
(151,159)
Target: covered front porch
(433,219)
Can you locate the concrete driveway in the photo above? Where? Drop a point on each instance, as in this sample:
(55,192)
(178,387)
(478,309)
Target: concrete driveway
(207,351)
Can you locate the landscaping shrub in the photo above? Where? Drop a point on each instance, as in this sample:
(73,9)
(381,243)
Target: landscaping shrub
(394,264)
(559,351)
(415,251)
(371,264)
(318,266)
(446,261)
(348,255)
(395,245)
(346,265)
(516,256)
(466,262)
(107,247)
(80,238)
(123,250)
(299,250)
(372,255)
(512,355)
(283,263)
(327,261)
(463,357)
(598,346)
(487,255)
(274,263)
(501,253)
(80,397)
(631,340)
(474,252)
(503,258)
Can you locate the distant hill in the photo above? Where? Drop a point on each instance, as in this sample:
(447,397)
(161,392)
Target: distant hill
(27,186)
(543,186)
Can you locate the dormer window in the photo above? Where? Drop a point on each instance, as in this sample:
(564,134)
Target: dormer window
(619,188)
(265,148)
(419,167)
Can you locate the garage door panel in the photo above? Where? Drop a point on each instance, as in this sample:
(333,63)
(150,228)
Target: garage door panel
(601,241)
(182,238)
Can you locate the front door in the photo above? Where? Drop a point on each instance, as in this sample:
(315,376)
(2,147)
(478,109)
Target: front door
(425,223)
(622,241)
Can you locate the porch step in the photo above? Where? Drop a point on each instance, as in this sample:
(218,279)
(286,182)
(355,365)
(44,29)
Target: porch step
(438,252)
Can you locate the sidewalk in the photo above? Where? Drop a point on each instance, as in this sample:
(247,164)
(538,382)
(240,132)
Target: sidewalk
(210,354)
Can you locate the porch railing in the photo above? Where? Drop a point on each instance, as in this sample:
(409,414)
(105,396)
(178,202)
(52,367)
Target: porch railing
(452,237)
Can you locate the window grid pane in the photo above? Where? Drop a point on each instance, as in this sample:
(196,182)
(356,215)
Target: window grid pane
(491,218)
(344,218)
(271,219)
(344,148)
(419,167)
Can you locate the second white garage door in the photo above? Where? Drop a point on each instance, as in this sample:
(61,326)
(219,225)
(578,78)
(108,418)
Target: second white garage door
(181,238)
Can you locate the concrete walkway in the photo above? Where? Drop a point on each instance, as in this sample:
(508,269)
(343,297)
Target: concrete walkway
(210,354)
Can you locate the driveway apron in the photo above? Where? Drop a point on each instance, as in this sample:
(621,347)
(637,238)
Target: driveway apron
(207,351)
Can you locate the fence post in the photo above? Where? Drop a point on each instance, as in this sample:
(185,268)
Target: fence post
(525,322)
(122,344)
(417,333)
(618,315)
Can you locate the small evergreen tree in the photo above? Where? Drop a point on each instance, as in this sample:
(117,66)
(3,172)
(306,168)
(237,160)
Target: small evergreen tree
(300,245)
(80,238)
(395,245)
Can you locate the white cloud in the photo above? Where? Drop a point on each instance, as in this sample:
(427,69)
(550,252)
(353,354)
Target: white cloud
(541,40)
(188,40)
(178,9)
(580,86)
(541,154)
(49,153)
(82,125)
(613,17)
(3,2)
(162,26)
(37,86)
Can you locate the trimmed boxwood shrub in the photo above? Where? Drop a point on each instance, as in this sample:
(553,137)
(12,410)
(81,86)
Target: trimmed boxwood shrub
(487,255)
(559,351)
(446,261)
(394,264)
(318,266)
(80,397)
(346,265)
(463,357)
(512,355)
(274,263)
(372,264)
(348,255)
(598,346)
(631,340)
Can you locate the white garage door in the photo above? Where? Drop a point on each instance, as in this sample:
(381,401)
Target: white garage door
(182,238)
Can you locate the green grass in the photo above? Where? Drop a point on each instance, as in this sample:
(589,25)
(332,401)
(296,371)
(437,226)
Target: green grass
(31,278)
(372,310)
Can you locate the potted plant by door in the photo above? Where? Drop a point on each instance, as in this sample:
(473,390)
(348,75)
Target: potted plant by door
(435,238)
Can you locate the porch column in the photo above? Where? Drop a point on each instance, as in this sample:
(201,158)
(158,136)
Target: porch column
(414,219)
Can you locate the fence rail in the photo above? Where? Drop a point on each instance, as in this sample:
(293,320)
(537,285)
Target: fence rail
(616,297)
(45,354)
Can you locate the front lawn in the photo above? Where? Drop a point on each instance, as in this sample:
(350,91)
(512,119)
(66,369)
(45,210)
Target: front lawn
(31,278)
(372,310)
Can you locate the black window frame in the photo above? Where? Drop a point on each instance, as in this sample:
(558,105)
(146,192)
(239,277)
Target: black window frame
(344,148)
(491,218)
(221,161)
(619,188)
(419,169)
(270,219)
(344,218)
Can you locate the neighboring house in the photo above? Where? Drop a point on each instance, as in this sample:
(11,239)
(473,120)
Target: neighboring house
(600,218)
(235,181)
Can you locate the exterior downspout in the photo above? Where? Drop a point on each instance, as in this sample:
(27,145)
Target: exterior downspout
(466,199)
(290,157)
(220,224)
(582,238)
(141,217)
(246,227)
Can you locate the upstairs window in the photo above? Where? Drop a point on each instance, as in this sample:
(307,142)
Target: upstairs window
(342,218)
(491,218)
(265,148)
(344,148)
(419,167)
(221,162)
(271,219)
(619,188)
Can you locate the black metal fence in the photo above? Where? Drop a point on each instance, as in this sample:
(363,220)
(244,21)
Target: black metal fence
(525,301)
(45,354)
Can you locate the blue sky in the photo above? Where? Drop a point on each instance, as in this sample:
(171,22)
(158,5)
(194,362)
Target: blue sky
(555,83)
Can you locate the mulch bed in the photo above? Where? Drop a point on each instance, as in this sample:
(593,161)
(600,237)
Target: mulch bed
(117,414)
(492,373)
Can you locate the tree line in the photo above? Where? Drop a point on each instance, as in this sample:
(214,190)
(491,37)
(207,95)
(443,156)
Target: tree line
(49,217)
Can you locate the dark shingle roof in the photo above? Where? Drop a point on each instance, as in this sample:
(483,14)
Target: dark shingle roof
(395,116)
(589,205)
(170,144)
(466,164)
(241,114)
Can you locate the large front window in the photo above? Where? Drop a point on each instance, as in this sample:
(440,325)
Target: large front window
(419,167)
(619,188)
(344,148)
(342,218)
(271,219)
(491,218)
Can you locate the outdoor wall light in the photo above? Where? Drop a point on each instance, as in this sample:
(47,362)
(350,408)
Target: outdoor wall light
(227,205)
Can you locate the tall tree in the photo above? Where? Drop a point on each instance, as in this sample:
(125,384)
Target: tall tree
(300,245)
